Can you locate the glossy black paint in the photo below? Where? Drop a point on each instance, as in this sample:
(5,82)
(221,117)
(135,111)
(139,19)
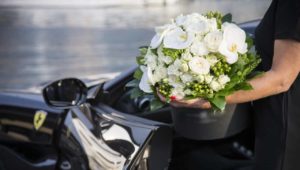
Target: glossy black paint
(19,141)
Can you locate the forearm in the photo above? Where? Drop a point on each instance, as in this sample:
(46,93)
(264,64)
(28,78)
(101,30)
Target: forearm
(270,83)
(284,71)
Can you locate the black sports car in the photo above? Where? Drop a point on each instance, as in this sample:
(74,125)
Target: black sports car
(94,124)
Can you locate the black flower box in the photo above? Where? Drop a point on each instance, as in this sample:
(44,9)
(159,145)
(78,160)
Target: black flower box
(202,124)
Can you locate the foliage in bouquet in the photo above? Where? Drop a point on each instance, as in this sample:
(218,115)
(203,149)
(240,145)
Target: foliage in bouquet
(194,56)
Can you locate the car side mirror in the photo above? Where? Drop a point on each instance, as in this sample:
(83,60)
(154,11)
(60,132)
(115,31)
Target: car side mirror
(65,93)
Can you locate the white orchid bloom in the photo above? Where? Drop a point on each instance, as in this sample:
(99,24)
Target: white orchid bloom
(178,39)
(180,20)
(213,40)
(233,42)
(144,83)
(198,48)
(160,33)
(199,65)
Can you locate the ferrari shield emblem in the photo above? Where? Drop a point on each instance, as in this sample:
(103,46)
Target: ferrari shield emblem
(39,119)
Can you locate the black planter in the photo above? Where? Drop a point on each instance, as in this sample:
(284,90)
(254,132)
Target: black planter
(200,124)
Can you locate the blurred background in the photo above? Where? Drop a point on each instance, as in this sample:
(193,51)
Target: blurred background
(42,40)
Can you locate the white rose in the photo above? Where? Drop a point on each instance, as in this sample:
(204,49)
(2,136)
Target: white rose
(212,59)
(196,23)
(215,85)
(208,78)
(200,27)
(213,40)
(185,78)
(144,83)
(223,79)
(178,39)
(199,65)
(233,42)
(198,48)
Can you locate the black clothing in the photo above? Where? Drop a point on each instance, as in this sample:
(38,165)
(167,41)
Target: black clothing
(277,118)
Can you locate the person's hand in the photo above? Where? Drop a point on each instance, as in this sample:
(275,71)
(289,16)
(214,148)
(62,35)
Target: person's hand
(192,103)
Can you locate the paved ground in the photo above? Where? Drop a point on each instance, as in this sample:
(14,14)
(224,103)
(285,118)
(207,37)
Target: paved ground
(42,42)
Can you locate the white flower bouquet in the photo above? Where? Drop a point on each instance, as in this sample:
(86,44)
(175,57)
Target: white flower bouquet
(195,56)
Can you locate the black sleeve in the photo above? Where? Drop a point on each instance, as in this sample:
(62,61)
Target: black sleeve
(287,20)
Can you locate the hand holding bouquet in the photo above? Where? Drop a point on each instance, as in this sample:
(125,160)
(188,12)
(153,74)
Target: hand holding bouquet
(195,56)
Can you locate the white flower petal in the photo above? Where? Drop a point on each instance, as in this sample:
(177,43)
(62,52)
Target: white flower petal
(212,24)
(199,65)
(180,20)
(178,39)
(233,42)
(200,27)
(156,41)
(208,78)
(198,48)
(215,85)
(223,79)
(243,49)
(144,83)
(231,57)
(213,40)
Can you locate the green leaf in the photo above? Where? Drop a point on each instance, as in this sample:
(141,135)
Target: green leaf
(218,102)
(156,104)
(138,74)
(243,86)
(255,74)
(225,92)
(136,92)
(143,50)
(249,41)
(140,60)
(227,18)
(133,83)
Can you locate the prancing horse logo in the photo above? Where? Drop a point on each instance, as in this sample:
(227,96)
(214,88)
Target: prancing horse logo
(39,119)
